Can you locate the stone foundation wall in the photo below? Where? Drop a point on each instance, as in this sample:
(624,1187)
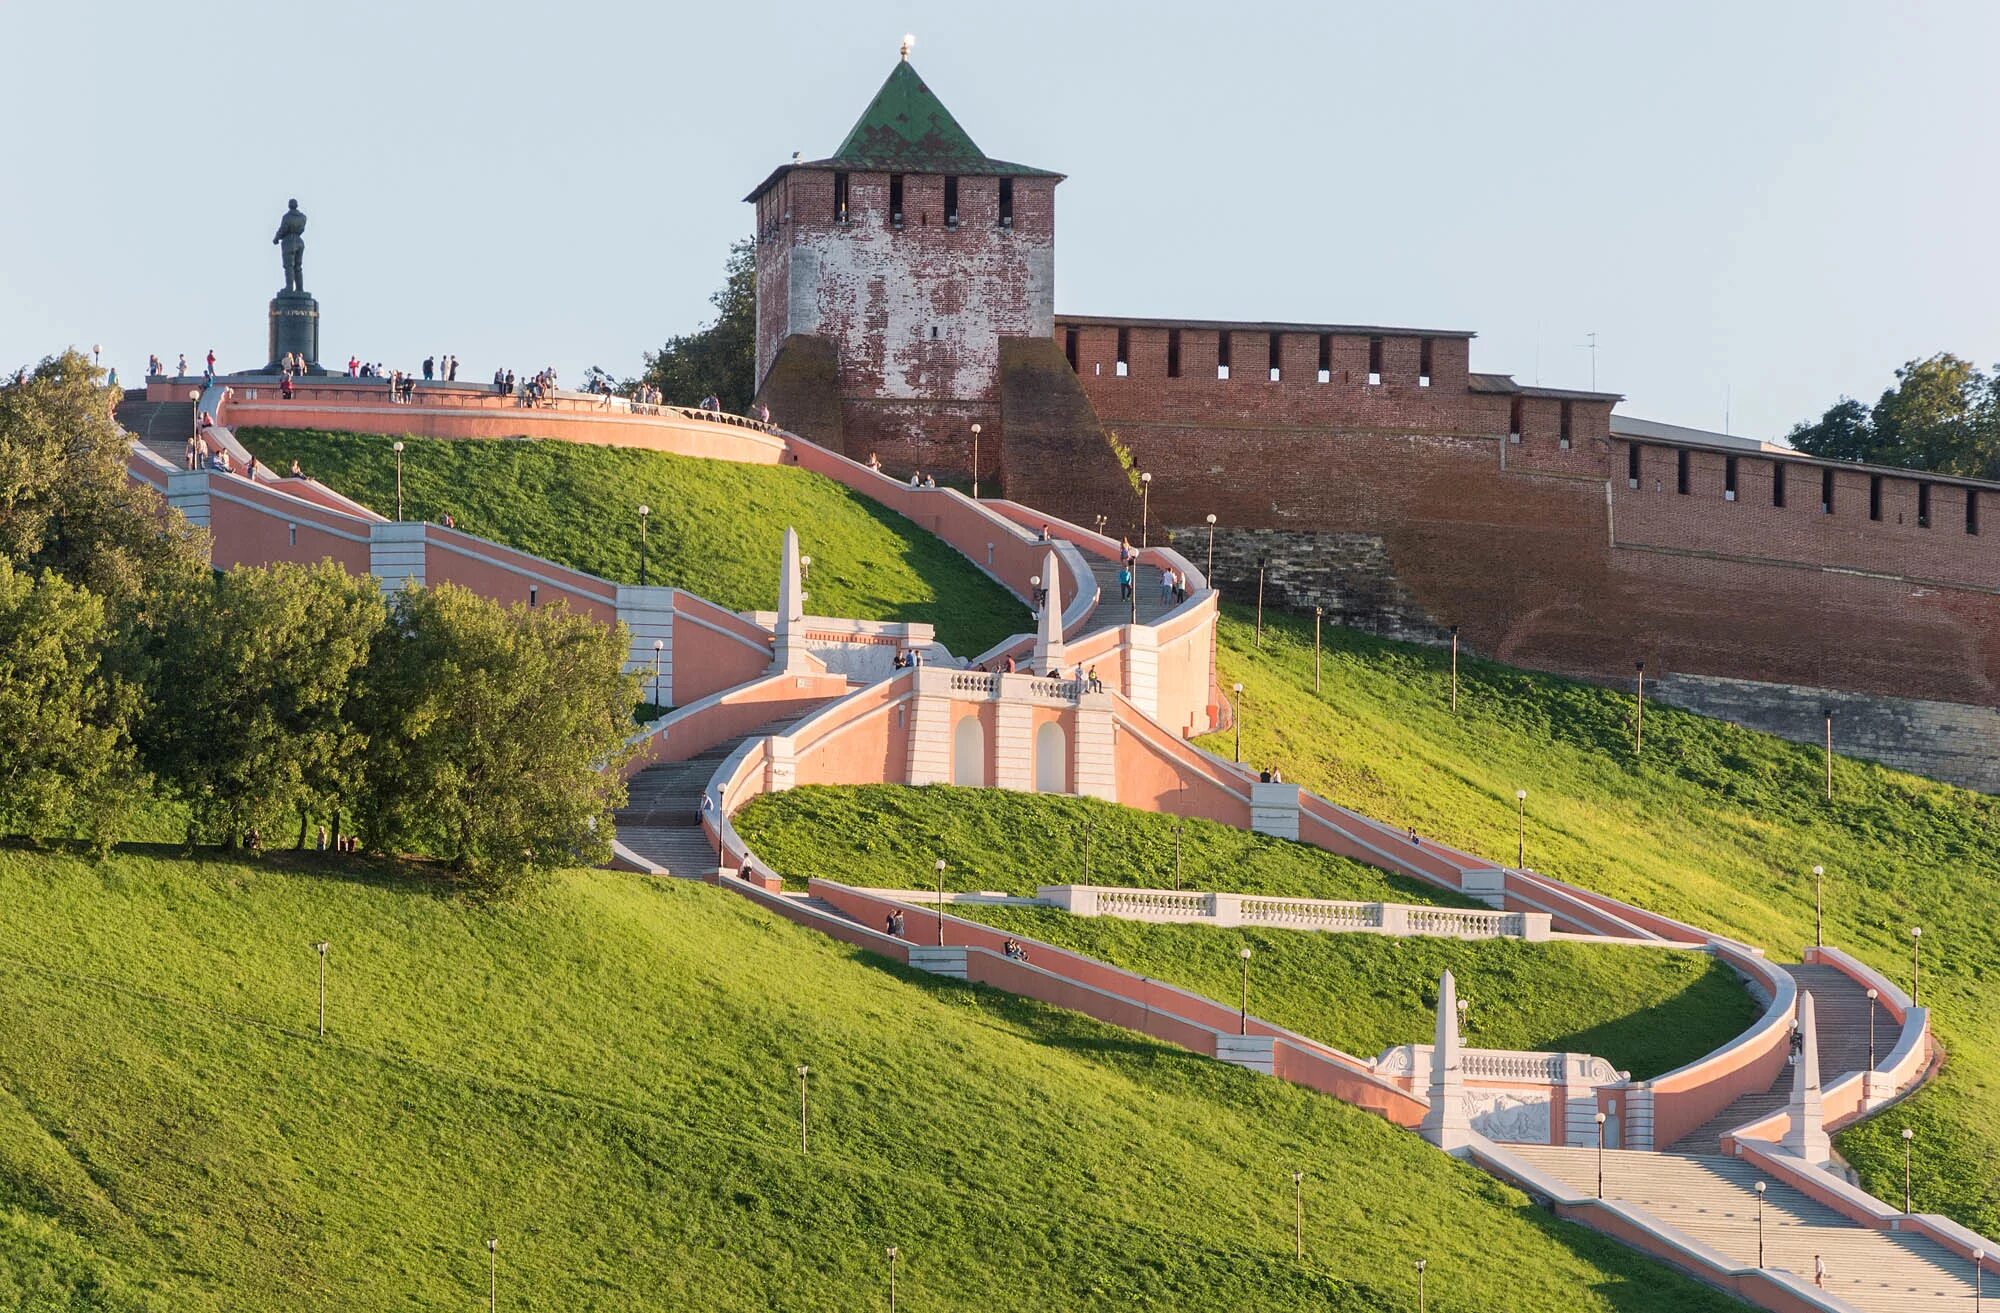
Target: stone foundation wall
(1349,575)
(1949,741)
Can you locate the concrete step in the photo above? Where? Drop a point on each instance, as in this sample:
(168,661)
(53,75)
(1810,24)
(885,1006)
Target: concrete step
(682,852)
(1114,610)
(1714,1200)
(1840,1020)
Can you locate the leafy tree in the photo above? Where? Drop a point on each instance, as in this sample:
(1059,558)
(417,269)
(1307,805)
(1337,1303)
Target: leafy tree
(720,357)
(494,736)
(252,716)
(68,765)
(1943,415)
(67,505)
(1845,432)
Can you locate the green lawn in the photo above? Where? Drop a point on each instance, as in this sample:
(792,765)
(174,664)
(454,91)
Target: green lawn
(1647,1011)
(717,527)
(601,1076)
(1716,825)
(889,836)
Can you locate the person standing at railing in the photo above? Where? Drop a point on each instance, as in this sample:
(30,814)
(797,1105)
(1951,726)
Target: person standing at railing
(181,370)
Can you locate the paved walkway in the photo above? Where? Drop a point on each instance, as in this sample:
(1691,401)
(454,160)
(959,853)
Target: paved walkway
(1840,1008)
(1713,1200)
(1114,610)
(661,819)
(162,427)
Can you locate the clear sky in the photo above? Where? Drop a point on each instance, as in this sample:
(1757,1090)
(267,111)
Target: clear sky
(1763,203)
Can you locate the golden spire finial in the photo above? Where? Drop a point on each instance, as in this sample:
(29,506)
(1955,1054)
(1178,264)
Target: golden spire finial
(908,41)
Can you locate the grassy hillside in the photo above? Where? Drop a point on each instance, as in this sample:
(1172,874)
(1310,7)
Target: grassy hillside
(887,836)
(1714,824)
(1646,1011)
(601,1076)
(717,527)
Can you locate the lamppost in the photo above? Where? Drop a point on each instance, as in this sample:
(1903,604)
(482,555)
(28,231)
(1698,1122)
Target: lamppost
(1145,507)
(492,1274)
(1600,1155)
(805,1074)
(1908,1136)
(645,513)
(1978,1280)
(1260,602)
(1873,994)
(940,901)
(805,568)
(1317,613)
(1454,670)
(1243,1017)
(1238,718)
(1211,549)
(1298,1215)
(1828,711)
(975,462)
(1639,719)
(321,948)
(1035,586)
(1421,1265)
(1178,827)
(1760,1224)
(397,447)
(1916,965)
(1819,928)
(1089,833)
(894,1254)
(1102,520)
(1521,855)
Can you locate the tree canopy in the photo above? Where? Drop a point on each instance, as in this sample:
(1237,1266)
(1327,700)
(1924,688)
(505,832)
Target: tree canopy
(494,737)
(1943,414)
(489,739)
(66,503)
(68,765)
(720,357)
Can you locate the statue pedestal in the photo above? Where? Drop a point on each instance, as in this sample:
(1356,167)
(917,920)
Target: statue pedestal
(294,329)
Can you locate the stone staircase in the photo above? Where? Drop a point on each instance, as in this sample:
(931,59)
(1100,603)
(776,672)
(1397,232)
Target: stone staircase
(1713,1200)
(162,427)
(661,819)
(1840,1021)
(1115,610)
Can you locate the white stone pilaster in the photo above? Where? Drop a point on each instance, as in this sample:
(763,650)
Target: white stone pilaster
(930,728)
(781,765)
(187,492)
(1014,746)
(1094,770)
(1274,809)
(1141,681)
(1805,1133)
(396,554)
(1256,1052)
(1445,1122)
(649,614)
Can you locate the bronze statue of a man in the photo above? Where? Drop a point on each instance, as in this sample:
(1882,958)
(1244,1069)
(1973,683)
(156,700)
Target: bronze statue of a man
(291,244)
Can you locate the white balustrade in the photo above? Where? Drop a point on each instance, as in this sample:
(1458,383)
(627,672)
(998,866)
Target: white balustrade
(1321,914)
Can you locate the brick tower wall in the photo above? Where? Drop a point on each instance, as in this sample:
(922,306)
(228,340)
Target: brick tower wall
(915,312)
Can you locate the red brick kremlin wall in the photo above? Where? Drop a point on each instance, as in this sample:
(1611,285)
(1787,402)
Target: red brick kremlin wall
(1409,509)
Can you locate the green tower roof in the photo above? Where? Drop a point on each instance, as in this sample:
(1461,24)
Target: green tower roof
(907,129)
